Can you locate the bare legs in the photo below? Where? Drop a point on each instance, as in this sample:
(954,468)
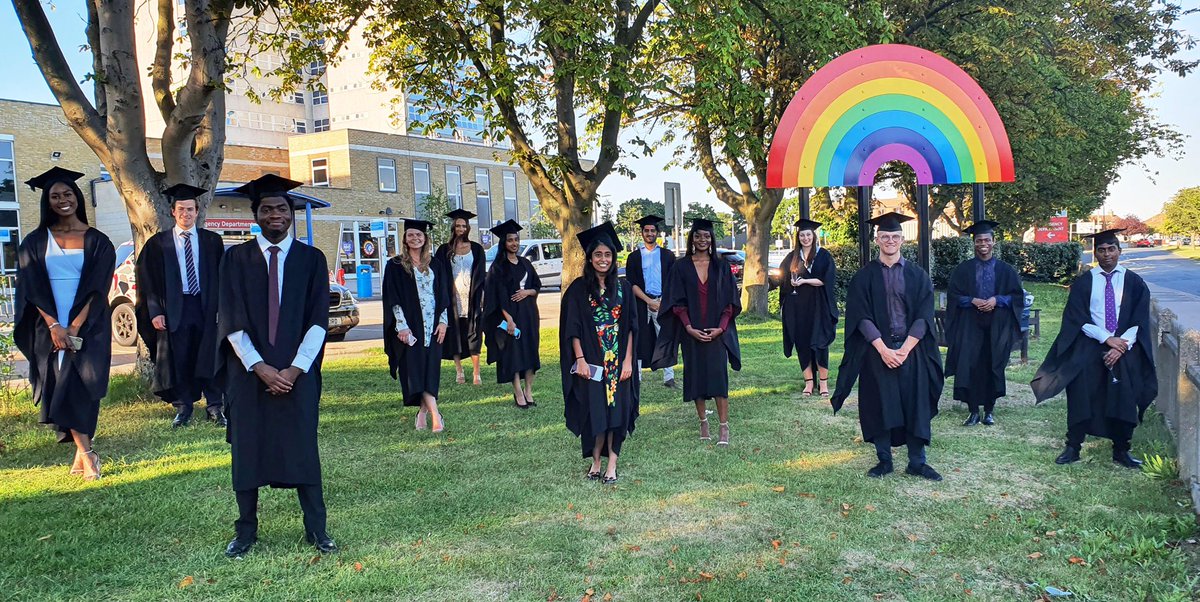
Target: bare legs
(823,372)
(722,416)
(86,460)
(429,408)
(458,370)
(598,449)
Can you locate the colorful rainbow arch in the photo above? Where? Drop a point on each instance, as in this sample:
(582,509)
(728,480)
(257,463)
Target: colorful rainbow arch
(889,102)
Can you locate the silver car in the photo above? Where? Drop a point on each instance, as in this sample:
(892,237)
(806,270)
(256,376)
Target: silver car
(545,254)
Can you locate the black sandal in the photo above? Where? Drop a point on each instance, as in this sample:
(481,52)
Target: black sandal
(809,392)
(610,480)
(825,393)
(518,404)
(592,476)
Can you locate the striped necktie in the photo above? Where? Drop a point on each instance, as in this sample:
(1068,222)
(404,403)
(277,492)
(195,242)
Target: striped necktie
(193,282)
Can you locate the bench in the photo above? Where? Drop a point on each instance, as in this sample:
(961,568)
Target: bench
(1032,331)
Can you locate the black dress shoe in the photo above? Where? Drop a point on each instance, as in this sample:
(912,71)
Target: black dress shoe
(238,547)
(1127,460)
(1069,455)
(670,384)
(181,420)
(323,543)
(924,471)
(988,419)
(218,419)
(972,420)
(880,469)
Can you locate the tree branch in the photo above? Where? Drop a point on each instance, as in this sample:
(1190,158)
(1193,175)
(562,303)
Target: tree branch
(160,69)
(93,34)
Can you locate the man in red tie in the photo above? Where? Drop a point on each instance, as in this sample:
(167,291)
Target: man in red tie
(1103,355)
(274,309)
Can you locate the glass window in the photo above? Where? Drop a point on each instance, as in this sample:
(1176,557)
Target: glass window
(510,195)
(320,125)
(298,98)
(10,240)
(552,250)
(421,186)
(454,186)
(531,253)
(483,198)
(534,205)
(320,97)
(320,172)
(387,174)
(8,177)
(301,126)
(316,67)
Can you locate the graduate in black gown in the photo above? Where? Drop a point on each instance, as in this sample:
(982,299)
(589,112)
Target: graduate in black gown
(177,274)
(698,312)
(983,322)
(272,318)
(1103,355)
(600,327)
(510,300)
(892,352)
(468,272)
(62,323)
(646,268)
(808,304)
(416,303)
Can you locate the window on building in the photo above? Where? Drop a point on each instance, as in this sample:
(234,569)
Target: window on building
(454,186)
(320,125)
(510,195)
(316,67)
(298,98)
(320,172)
(483,198)
(301,126)
(8,174)
(535,207)
(320,97)
(387,174)
(421,185)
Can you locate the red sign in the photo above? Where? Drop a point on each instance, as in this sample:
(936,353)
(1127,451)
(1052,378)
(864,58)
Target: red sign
(1058,231)
(222,223)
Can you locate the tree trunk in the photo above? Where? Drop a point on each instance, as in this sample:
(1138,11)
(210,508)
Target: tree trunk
(754,273)
(569,224)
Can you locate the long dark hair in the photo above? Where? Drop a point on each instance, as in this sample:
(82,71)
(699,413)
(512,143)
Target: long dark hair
(49,217)
(454,239)
(589,273)
(712,245)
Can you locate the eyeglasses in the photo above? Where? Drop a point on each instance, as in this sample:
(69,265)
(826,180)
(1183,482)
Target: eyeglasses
(891,237)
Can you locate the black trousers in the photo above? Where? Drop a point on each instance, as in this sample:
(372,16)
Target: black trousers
(312,503)
(186,346)
(981,381)
(1121,433)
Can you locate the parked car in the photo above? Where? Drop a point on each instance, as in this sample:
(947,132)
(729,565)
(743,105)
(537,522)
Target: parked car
(1145,242)
(545,254)
(122,297)
(737,263)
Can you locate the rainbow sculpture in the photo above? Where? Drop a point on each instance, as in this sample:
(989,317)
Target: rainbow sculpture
(889,102)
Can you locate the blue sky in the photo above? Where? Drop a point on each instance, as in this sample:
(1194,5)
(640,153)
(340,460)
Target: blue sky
(1140,190)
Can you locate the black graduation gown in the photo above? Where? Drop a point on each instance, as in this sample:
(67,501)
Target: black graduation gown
(160,293)
(968,331)
(705,365)
(810,316)
(586,408)
(896,402)
(512,355)
(634,274)
(417,367)
(1075,361)
(474,336)
(69,396)
(273,437)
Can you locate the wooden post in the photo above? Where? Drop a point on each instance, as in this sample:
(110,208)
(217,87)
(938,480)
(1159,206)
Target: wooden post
(977,210)
(925,233)
(804,202)
(864,228)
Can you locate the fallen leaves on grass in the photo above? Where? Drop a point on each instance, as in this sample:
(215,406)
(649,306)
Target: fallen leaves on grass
(358,567)
(779,489)
(1077,560)
(775,543)
(1034,556)
(45,537)
(314,560)
(186,582)
(587,595)
(707,576)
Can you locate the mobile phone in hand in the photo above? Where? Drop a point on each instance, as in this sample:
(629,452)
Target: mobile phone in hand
(75,342)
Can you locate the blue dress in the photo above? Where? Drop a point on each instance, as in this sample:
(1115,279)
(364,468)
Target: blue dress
(65,267)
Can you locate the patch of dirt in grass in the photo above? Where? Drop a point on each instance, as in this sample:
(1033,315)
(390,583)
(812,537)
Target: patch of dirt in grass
(854,560)
(1004,486)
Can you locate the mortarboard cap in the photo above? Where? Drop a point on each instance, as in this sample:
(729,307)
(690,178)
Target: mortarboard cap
(460,214)
(604,232)
(807,224)
(183,192)
(266,186)
(417,224)
(52,175)
(889,222)
(508,227)
(700,223)
(1106,237)
(982,226)
(650,220)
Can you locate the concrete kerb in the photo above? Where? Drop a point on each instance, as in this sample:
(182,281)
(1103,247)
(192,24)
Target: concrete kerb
(1175,317)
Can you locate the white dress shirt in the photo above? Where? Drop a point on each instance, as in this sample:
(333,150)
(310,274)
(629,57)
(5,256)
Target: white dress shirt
(180,249)
(313,339)
(1096,329)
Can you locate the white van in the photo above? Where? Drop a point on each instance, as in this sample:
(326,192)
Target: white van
(545,254)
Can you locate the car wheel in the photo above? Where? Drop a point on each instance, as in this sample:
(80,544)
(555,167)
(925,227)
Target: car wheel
(124,325)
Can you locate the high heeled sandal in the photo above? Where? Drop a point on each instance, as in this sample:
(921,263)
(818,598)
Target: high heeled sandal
(824,387)
(77,464)
(441,424)
(93,464)
(460,378)
(420,422)
(807,388)
(704,434)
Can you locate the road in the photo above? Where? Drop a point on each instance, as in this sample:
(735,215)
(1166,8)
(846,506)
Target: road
(1163,268)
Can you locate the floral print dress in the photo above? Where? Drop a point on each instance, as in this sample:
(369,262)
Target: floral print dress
(605,316)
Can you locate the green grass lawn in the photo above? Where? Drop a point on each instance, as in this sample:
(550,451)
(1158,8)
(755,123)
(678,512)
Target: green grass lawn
(496,508)
(1188,252)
